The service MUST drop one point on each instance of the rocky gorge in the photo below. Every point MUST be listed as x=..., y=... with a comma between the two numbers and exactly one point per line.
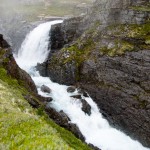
x=104, y=54
x=107, y=53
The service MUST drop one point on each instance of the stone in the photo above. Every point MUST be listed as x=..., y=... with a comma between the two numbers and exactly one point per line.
x=42, y=68
x=45, y=89
x=94, y=147
x=64, y=121
x=32, y=101
x=76, y=96
x=86, y=107
x=71, y=89
x=45, y=99
x=81, y=91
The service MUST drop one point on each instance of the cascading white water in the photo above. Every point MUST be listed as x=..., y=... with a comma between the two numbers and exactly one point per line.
x=94, y=127
x=35, y=47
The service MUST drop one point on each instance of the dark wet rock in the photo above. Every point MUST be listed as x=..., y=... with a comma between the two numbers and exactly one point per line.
x=45, y=89
x=76, y=96
x=82, y=91
x=63, y=120
x=45, y=99
x=64, y=115
x=86, y=107
x=42, y=68
x=3, y=43
x=56, y=34
x=94, y=147
x=74, y=129
x=32, y=101
x=64, y=33
x=71, y=89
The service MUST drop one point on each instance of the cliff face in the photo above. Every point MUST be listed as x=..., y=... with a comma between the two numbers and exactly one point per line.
x=111, y=60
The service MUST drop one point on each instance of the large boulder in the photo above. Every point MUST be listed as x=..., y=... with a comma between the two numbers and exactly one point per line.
x=45, y=89
x=71, y=89
x=86, y=107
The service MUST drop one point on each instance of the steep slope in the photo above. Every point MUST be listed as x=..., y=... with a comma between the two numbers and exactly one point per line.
x=111, y=60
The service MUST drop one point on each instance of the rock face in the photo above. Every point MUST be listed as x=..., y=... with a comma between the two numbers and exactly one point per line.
x=120, y=87
x=111, y=61
x=65, y=33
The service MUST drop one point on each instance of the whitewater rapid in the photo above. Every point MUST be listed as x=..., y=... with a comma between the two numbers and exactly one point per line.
x=95, y=128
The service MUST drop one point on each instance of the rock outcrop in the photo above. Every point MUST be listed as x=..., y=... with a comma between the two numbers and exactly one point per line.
x=63, y=120
x=111, y=61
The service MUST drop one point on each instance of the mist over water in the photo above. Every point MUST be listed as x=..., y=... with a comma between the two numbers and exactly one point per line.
x=95, y=128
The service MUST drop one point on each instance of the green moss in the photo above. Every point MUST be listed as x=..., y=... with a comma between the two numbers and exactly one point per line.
x=22, y=127
x=141, y=8
x=119, y=48
x=2, y=52
x=4, y=77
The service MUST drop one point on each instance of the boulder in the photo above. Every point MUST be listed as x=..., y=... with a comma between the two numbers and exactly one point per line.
x=71, y=89
x=42, y=68
x=86, y=107
x=64, y=121
x=76, y=96
x=45, y=89
x=93, y=147
x=32, y=101
x=44, y=99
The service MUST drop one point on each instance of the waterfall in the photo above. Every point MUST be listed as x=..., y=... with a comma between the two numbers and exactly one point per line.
x=95, y=128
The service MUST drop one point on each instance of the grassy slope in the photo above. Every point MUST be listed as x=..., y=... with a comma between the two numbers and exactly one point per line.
x=22, y=128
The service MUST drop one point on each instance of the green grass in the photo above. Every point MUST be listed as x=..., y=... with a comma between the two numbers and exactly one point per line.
x=21, y=128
